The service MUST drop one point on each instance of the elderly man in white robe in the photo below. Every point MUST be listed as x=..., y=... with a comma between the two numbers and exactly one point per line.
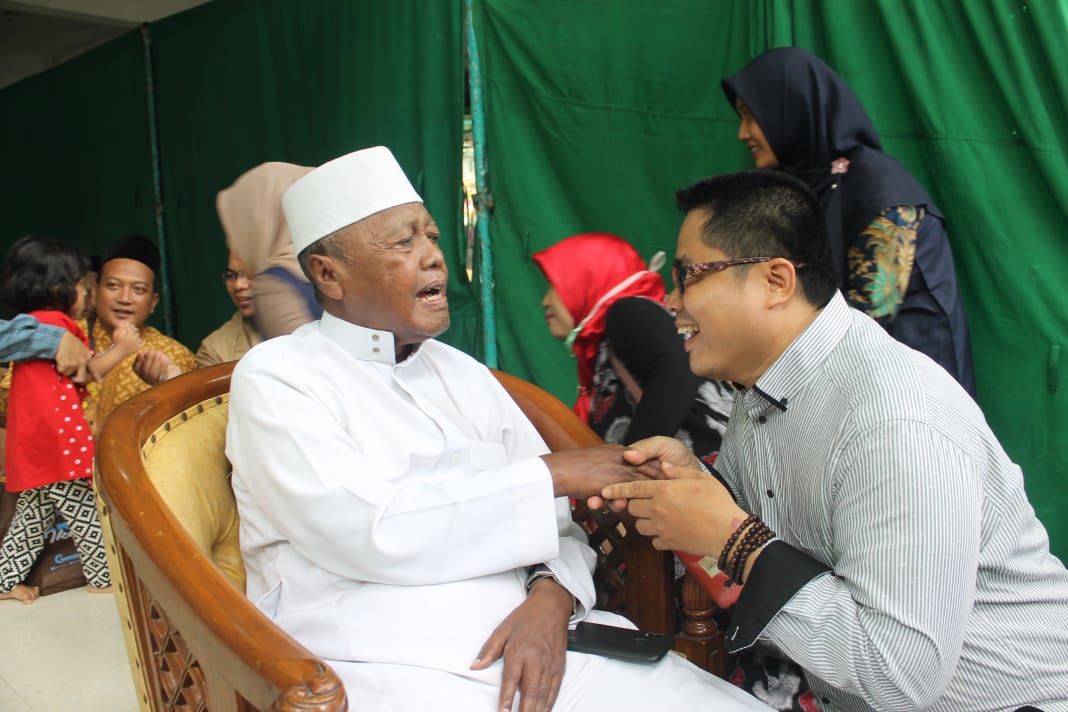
x=399, y=514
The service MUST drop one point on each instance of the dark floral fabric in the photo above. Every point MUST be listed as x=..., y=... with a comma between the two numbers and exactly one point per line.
x=880, y=261
x=765, y=673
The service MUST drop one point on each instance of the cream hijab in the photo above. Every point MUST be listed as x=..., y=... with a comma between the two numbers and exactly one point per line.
x=251, y=214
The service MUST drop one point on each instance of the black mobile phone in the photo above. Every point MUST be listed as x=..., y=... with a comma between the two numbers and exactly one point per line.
x=621, y=643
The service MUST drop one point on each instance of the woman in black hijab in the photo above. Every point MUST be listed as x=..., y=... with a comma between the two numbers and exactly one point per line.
x=888, y=236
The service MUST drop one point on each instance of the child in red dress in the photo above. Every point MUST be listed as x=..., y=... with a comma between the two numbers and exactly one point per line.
x=49, y=457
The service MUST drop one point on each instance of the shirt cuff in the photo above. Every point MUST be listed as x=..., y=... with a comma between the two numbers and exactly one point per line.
x=778, y=574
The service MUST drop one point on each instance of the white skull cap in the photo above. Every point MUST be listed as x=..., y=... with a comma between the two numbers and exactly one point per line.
x=344, y=191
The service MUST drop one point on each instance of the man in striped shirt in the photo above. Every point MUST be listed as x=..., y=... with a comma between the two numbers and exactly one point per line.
x=907, y=569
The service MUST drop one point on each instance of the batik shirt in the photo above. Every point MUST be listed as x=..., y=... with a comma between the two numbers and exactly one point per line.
x=121, y=383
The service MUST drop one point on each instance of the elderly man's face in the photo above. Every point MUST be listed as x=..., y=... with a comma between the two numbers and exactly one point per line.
x=395, y=277
x=125, y=293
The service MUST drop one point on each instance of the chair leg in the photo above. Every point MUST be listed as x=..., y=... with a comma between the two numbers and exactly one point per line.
x=701, y=640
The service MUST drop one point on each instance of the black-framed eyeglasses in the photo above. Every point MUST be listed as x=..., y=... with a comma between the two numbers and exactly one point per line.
x=229, y=276
x=682, y=271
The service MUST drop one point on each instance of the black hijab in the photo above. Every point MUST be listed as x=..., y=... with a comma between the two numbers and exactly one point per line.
x=810, y=118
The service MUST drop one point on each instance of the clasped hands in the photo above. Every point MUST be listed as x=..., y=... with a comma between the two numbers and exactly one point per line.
x=687, y=510
x=661, y=483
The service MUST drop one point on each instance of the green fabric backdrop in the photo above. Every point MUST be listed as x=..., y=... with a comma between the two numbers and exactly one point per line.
x=599, y=109
x=75, y=144
x=240, y=82
x=237, y=83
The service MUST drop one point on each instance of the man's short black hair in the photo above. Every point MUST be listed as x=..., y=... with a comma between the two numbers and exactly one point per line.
x=41, y=273
x=760, y=213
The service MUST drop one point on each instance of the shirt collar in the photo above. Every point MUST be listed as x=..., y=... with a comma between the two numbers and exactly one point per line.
x=363, y=343
x=789, y=374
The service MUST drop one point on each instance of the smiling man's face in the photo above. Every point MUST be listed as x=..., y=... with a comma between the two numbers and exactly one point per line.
x=125, y=293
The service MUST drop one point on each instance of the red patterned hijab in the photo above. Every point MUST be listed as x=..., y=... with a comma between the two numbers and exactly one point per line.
x=591, y=272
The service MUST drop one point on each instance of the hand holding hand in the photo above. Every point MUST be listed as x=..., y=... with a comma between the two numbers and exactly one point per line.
x=652, y=450
x=155, y=367
x=691, y=511
x=586, y=471
x=664, y=449
x=533, y=642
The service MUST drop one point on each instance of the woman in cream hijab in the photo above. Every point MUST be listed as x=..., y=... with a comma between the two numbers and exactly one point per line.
x=251, y=214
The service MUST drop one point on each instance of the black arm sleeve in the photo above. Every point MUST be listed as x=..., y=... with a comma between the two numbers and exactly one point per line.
x=778, y=574
x=642, y=334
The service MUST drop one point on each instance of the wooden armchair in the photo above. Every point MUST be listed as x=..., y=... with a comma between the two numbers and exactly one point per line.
x=196, y=642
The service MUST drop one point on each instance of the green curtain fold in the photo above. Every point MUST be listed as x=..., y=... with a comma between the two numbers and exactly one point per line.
x=597, y=111
x=237, y=83
x=75, y=158
x=240, y=82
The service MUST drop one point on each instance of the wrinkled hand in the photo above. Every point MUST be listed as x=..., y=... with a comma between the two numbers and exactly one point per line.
x=533, y=642
x=155, y=367
x=655, y=449
x=691, y=511
x=127, y=338
x=586, y=471
x=664, y=449
x=72, y=356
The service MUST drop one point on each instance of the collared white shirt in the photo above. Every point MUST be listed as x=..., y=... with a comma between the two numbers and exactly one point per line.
x=389, y=510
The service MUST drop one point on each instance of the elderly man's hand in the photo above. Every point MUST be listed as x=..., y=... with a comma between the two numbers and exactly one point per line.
x=533, y=641
x=663, y=449
x=586, y=471
x=690, y=511
x=72, y=356
x=652, y=450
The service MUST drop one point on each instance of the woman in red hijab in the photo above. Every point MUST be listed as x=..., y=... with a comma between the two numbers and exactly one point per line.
x=634, y=375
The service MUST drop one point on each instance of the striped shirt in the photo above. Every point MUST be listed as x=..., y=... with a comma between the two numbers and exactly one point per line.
x=910, y=570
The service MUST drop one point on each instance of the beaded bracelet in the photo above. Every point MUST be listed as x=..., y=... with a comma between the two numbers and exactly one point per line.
x=722, y=561
x=758, y=535
x=741, y=551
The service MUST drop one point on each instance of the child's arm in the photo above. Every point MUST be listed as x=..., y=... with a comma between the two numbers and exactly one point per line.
x=125, y=340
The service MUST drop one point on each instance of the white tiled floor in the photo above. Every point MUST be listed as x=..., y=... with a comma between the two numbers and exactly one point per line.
x=64, y=652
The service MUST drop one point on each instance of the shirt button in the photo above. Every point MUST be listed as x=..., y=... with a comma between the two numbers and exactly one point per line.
x=762, y=419
x=771, y=493
x=374, y=337
x=375, y=349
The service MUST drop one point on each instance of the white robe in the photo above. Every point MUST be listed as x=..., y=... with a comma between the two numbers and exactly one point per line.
x=389, y=510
